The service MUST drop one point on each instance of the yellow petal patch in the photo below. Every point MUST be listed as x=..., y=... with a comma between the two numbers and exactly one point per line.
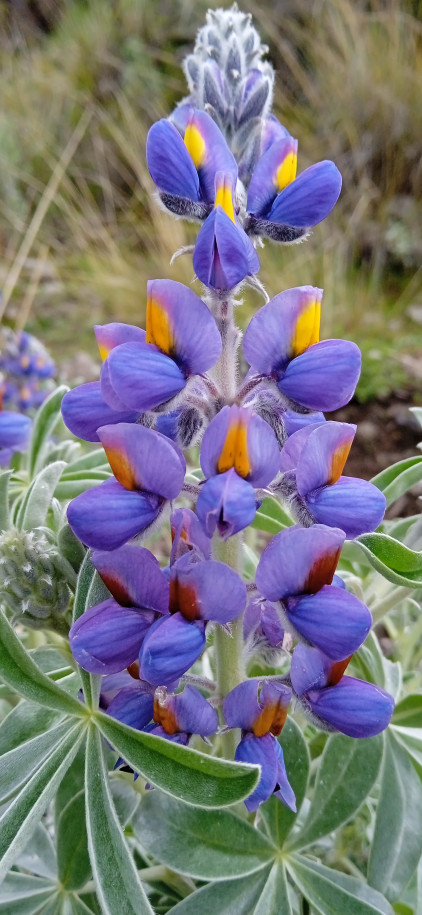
x=224, y=199
x=307, y=328
x=158, y=327
x=104, y=351
x=121, y=468
x=25, y=362
x=235, y=450
x=195, y=145
x=338, y=461
x=286, y=172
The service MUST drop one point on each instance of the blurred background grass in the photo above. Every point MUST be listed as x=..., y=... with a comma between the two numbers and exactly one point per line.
x=80, y=231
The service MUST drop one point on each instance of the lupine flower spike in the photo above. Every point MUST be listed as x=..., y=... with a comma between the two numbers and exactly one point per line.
x=224, y=161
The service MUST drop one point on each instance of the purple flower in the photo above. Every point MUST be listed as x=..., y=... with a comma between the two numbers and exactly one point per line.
x=259, y=708
x=148, y=468
x=312, y=461
x=84, y=411
x=196, y=177
x=182, y=339
x=199, y=591
x=283, y=207
x=182, y=714
x=158, y=615
x=336, y=702
x=107, y=638
x=174, y=716
x=281, y=344
x=15, y=430
x=239, y=452
x=296, y=571
x=226, y=504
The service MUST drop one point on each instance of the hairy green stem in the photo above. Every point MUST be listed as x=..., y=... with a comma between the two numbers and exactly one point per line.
x=228, y=648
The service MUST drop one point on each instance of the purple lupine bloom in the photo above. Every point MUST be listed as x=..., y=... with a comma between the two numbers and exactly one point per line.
x=179, y=716
x=158, y=615
x=196, y=177
x=107, y=638
x=84, y=410
x=281, y=344
x=239, y=451
x=296, y=571
x=263, y=631
x=182, y=339
x=283, y=207
x=15, y=429
x=312, y=462
x=337, y=702
x=148, y=469
x=200, y=591
x=188, y=536
x=175, y=716
x=26, y=366
x=259, y=707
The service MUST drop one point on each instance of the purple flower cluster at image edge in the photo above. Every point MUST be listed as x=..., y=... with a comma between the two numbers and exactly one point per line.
x=155, y=398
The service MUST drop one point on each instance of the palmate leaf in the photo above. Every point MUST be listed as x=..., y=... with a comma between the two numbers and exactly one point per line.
x=187, y=774
x=207, y=844
x=74, y=867
x=247, y=896
x=347, y=772
x=118, y=886
x=22, y=815
x=39, y=856
x=397, y=843
x=21, y=894
x=19, y=671
x=17, y=765
x=331, y=892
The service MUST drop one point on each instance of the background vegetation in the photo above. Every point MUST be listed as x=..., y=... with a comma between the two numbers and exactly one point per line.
x=80, y=231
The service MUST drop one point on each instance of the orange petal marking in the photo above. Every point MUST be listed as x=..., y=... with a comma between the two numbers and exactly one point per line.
x=234, y=452
x=121, y=468
x=184, y=600
x=158, y=328
x=117, y=589
x=165, y=716
x=336, y=671
x=322, y=572
x=338, y=461
x=270, y=720
x=133, y=670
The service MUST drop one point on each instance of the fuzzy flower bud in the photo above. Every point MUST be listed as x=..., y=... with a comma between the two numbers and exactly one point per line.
x=35, y=581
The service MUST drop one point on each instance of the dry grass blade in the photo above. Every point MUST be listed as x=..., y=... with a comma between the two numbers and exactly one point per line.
x=42, y=208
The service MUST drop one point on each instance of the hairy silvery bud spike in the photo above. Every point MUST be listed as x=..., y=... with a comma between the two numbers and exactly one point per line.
x=35, y=580
x=228, y=78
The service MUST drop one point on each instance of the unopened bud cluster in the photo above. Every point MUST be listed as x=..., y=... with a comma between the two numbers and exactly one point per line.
x=34, y=580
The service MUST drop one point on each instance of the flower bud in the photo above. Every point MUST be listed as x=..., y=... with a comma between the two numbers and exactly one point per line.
x=34, y=580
